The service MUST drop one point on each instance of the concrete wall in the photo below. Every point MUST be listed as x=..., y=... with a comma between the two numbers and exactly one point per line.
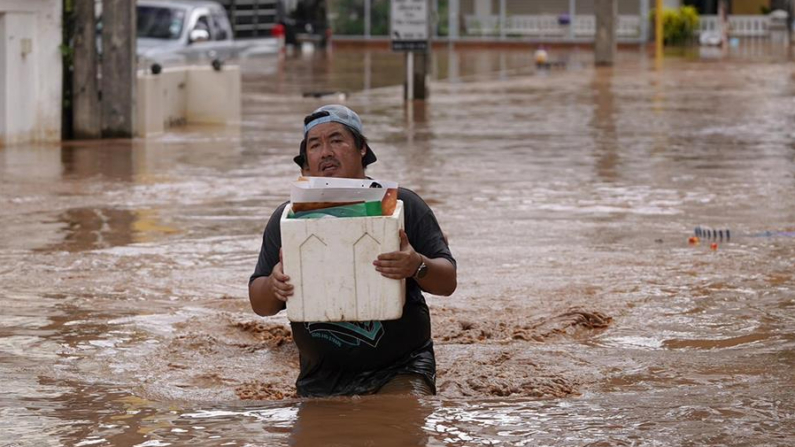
x=30, y=71
x=187, y=95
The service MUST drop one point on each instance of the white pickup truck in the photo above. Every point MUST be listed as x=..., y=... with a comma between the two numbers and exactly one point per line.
x=175, y=32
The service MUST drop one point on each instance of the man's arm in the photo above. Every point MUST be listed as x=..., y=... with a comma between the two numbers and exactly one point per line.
x=441, y=278
x=268, y=294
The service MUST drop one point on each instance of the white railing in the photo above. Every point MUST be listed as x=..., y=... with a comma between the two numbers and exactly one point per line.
x=546, y=25
x=628, y=26
x=739, y=26
x=708, y=24
x=584, y=27
x=749, y=26
x=482, y=25
x=535, y=25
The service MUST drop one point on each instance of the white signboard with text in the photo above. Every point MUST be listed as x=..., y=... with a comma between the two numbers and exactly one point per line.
x=409, y=30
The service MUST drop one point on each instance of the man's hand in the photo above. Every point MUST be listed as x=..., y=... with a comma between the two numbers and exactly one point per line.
x=399, y=264
x=282, y=289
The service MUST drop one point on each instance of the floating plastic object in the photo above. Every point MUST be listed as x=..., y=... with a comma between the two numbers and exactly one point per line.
x=710, y=38
x=712, y=233
x=693, y=240
x=725, y=233
x=541, y=57
x=713, y=246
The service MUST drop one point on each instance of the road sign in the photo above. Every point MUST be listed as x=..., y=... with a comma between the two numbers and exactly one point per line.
x=409, y=29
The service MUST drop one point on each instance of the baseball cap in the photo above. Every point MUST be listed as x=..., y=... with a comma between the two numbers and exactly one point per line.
x=333, y=113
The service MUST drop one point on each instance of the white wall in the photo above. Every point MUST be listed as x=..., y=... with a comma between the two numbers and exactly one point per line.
x=30, y=71
x=187, y=95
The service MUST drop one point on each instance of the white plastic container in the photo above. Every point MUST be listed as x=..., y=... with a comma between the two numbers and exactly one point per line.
x=330, y=264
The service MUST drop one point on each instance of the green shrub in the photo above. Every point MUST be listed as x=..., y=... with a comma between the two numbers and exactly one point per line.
x=348, y=18
x=679, y=25
x=379, y=17
x=442, y=25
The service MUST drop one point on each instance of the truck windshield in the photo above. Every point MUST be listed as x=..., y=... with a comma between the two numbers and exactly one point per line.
x=157, y=22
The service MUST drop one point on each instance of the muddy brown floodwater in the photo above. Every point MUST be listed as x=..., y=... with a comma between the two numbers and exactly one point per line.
x=582, y=315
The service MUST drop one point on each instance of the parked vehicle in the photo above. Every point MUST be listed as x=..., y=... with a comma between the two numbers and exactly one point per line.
x=297, y=20
x=191, y=31
x=307, y=22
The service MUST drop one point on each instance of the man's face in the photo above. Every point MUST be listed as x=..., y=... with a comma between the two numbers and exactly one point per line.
x=331, y=152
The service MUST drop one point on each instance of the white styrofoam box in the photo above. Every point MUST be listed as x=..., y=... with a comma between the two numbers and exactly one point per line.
x=330, y=264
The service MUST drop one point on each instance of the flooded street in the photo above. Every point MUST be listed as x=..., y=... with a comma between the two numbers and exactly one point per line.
x=582, y=316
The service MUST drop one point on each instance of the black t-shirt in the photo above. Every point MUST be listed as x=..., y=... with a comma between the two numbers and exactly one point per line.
x=345, y=358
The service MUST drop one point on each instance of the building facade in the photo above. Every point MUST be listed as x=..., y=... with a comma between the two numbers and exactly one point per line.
x=739, y=7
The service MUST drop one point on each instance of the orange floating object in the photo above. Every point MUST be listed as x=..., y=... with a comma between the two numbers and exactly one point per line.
x=714, y=246
x=693, y=240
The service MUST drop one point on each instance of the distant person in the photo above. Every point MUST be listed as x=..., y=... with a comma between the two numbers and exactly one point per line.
x=361, y=357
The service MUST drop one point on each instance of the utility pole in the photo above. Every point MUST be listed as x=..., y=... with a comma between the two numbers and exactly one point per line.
x=118, y=68
x=606, y=18
x=503, y=19
x=86, y=118
x=644, y=22
x=658, y=33
x=452, y=20
x=367, y=19
x=419, y=74
x=572, y=14
x=723, y=17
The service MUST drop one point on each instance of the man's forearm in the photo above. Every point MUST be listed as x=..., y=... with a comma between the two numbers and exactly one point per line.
x=441, y=278
x=262, y=297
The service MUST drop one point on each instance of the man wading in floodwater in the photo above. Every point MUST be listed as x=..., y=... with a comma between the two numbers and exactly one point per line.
x=348, y=358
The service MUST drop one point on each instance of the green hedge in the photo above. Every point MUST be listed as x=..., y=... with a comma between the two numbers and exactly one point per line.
x=679, y=25
x=349, y=17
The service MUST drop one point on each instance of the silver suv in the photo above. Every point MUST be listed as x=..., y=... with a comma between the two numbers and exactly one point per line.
x=189, y=31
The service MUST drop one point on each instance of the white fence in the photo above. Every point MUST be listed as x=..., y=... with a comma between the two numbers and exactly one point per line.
x=628, y=26
x=546, y=26
x=482, y=25
x=739, y=26
x=584, y=27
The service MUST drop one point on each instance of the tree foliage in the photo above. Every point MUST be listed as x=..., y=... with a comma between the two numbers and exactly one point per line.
x=349, y=17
